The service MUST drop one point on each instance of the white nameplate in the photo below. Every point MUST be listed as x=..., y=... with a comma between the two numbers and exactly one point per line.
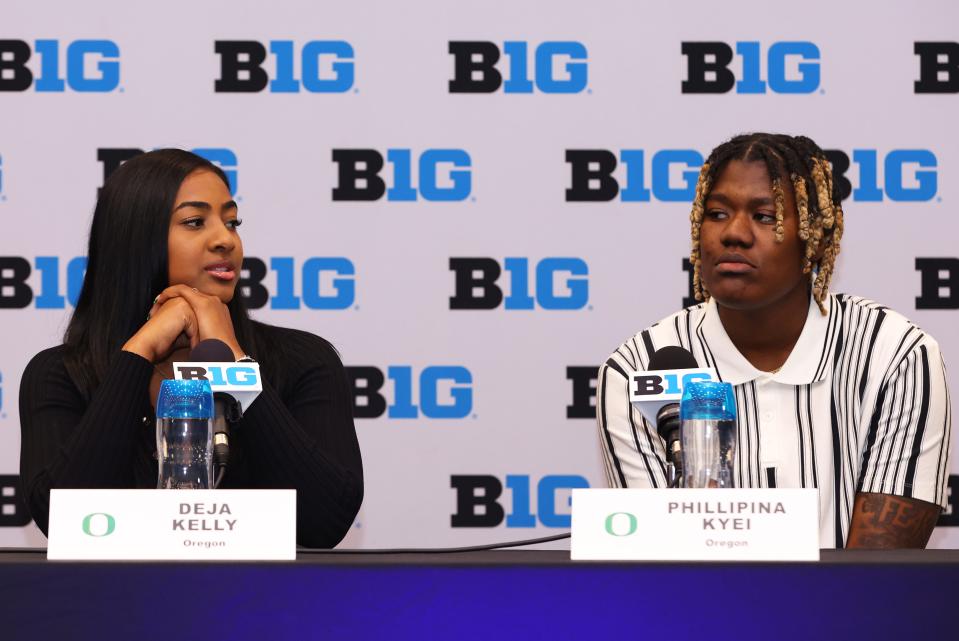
x=239, y=380
x=649, y=391
x=695, y=525
x=182, y=525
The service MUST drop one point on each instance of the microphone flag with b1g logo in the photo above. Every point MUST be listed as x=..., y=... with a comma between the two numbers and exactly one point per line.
x=650, y=391
x=240, y=380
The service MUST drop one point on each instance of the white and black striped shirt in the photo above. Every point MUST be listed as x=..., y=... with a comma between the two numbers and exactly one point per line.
x=860, y=405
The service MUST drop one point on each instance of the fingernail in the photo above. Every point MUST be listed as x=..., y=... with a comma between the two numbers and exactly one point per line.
x=155, y=300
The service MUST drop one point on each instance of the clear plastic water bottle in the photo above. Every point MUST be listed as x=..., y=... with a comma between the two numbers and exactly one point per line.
x=185, y=435
x=708, y=433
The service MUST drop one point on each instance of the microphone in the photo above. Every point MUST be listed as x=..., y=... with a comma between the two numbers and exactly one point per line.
x=226, y=408
x=667, y=418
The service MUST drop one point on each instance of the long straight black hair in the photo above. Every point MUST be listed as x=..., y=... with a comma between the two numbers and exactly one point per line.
x=127, y=262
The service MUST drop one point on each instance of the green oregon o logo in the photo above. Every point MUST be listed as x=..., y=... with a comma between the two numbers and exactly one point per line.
x=631, y=519
x=111, y=524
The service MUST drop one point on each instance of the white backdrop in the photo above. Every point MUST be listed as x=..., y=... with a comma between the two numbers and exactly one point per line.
x=516, y=206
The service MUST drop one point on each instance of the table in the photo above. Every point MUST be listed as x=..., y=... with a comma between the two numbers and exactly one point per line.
x=505, y=594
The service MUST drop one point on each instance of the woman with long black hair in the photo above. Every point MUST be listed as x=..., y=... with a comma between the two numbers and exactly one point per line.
x=164, y=261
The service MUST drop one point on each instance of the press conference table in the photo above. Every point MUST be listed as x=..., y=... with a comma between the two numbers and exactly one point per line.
x=530, y=594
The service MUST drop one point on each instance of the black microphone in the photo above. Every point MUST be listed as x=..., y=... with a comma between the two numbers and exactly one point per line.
x=226, y=408
x=667, y=418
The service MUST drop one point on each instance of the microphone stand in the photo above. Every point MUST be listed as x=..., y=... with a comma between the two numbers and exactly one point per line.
x=667, y=424
x=674, y=475
x=227, y=412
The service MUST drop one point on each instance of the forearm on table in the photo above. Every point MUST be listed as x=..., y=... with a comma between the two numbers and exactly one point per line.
x=884, y=521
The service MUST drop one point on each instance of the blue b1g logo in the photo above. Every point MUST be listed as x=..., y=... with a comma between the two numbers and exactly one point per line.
x=444, y=392
x=225, y=159
x=907, y=175
x=600, y=175
x=320, y=282
x=707, y=68
x=554, y=283
x=444, y=175
x=16, y=292
x=53, y=72
x=237, y=375
x=325, y=66
x=593, y=180
x=479, y=502
x=475, y=71
x=665, y=384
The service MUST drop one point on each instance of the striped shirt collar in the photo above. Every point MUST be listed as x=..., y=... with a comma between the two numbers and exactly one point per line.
x=808, y=362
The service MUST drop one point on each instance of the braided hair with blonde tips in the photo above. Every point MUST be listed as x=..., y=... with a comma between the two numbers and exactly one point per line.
x=804, y=164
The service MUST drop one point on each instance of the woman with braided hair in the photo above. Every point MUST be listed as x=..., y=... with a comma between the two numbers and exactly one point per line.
x=833, y=392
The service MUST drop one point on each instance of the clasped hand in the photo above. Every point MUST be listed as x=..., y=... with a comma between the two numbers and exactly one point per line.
x=180, y=317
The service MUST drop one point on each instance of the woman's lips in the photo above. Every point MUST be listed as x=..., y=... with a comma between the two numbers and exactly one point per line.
x=732, y=267
x=221, y=274
x=733, y=263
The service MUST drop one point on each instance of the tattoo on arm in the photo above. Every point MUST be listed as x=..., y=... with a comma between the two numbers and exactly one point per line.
x=882, y=521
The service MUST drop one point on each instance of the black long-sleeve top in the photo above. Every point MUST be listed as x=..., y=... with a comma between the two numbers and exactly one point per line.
x=298, y=435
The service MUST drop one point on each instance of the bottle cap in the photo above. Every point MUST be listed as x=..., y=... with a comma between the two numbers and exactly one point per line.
x=708, y=400
x=185, y=399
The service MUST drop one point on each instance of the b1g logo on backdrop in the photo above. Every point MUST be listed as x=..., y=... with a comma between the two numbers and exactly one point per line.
x=907, y=175
x=60, y=281
x=444, y=175
x=319, y=283
x=480, y=501
x=950, y=516
x=791, y=68
x=54, y=66
x=13, y=512
x=440, y=392
x=594, y=176
x=323, y=66
x=552, y=283
x=583, y=401
x=939, y=284
x=225, y=159
x=599, y=175
x=938, y=67
x=558, y=67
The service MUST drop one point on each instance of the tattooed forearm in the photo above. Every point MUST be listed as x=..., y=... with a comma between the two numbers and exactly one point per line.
x=884, y=521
